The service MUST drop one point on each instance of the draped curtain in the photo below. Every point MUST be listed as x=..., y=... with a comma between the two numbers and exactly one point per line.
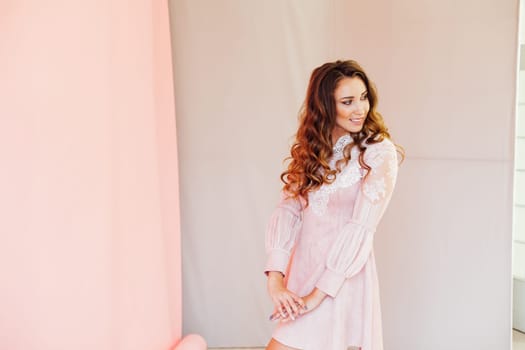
x=90, y=252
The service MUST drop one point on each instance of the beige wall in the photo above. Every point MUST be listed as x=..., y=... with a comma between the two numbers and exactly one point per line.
x=446, y=75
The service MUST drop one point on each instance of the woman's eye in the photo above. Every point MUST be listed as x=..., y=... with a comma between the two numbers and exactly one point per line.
x=348, y=103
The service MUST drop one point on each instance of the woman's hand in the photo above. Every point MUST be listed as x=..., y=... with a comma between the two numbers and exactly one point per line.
x=287, y=304
x=312, y=301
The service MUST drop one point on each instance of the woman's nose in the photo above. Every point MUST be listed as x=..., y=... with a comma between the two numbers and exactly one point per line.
x=360, y=107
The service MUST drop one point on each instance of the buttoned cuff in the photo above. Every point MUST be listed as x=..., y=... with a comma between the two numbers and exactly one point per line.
x=330, y=282
x=277, y=261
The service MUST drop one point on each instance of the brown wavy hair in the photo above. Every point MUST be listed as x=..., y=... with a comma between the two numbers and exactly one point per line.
x=310, y=154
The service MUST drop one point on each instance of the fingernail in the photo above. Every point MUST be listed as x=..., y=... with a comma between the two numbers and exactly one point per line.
x=271, y=317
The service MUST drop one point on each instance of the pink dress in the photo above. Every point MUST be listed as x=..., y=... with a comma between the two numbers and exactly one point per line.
x=329, y=245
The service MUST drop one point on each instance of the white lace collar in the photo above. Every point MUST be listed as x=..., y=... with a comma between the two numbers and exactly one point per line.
x=341, y=144
x=349, y=176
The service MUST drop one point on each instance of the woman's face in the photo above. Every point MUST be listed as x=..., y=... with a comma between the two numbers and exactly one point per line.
x=352, y=105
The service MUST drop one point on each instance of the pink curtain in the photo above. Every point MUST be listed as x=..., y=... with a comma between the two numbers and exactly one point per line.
x=90, y=252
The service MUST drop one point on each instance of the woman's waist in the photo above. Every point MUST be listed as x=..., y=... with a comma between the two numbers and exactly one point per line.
x=312, y=233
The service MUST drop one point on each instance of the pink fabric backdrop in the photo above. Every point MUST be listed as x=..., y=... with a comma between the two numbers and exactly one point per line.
x=90, y=253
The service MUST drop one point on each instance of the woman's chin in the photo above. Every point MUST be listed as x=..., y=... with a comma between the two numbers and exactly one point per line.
x=355, y=129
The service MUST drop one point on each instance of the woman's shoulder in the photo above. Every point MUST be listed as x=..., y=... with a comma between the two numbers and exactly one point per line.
x=386, y=145
x=378, y=152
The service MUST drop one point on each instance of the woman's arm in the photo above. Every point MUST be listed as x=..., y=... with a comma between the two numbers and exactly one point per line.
x=353, y=245
x=281, y=235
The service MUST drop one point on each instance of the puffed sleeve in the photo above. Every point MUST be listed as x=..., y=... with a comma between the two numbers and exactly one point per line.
x=281, y=233
x=353, y=244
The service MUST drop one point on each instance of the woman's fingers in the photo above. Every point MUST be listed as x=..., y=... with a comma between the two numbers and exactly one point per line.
x=296, y=304
x=276, y=315
x=287, y=306
x=283, y=307
x=290, y=308
x=300, y=302
x=280, y=305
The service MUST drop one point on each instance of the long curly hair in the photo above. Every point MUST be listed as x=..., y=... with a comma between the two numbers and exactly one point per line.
x=311, y=152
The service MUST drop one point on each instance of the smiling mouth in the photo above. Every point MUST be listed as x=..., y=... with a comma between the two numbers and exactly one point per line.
x=356, y=120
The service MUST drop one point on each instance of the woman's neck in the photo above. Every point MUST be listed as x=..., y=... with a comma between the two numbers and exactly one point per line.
x=337, y=133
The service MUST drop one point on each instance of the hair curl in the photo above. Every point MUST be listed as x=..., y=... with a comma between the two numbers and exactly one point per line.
x=310, y=154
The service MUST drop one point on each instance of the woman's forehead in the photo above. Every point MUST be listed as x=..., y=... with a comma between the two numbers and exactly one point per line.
x=350, y=87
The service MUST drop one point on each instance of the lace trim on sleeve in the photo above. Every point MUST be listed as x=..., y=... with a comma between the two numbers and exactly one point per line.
x=380, y=181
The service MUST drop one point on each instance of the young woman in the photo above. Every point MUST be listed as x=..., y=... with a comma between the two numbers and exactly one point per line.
x=321, y=269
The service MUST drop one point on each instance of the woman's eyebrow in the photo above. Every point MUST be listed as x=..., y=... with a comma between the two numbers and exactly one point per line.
x=350, y=97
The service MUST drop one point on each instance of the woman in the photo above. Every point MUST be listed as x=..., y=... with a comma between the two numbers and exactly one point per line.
x=321, y=269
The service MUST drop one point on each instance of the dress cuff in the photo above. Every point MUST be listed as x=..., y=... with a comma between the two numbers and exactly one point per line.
x=277, y=261
x=330, y=282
